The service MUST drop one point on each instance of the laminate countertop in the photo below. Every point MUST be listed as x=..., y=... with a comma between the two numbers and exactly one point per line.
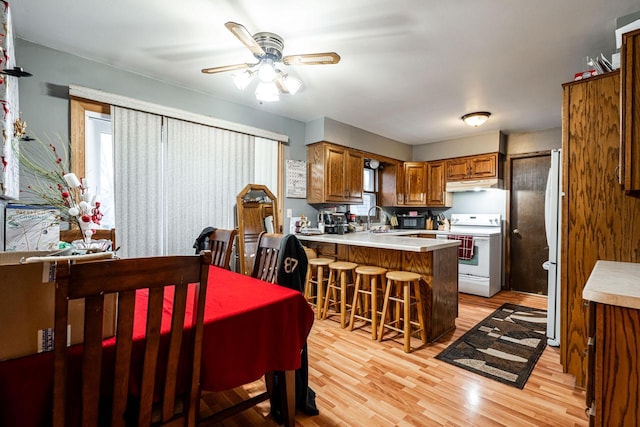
x=392, y=240
x=614, y=283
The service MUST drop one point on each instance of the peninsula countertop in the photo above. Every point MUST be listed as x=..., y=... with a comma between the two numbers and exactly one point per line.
x=392, y=240
x=614, y=283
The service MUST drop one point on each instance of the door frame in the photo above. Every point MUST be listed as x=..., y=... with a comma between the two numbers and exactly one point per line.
x=507, y=225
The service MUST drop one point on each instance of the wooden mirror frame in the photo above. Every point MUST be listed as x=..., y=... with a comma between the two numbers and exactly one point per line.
x=251, y=215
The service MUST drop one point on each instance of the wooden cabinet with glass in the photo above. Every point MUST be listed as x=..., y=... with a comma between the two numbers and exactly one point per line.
x=481, y=166
x=334, y=174
x=436, y=185
x=629, y=174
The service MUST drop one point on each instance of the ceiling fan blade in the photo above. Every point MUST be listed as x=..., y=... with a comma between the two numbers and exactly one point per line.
x=280, y=84
x=245, y=37
x=312, y=59
x=224, y=68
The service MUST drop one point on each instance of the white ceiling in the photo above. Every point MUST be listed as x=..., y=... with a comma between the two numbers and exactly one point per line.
x=409, y=68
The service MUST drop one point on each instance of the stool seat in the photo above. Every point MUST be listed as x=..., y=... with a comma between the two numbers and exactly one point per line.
x=370, y=270
x=342, y=265
x=403, y=276
x=320, y=261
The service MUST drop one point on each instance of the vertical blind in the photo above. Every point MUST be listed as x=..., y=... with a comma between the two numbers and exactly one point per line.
x=199, y=171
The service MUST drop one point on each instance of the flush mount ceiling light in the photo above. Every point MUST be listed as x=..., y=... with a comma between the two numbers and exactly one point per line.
x=267, y=49
x=476, y=119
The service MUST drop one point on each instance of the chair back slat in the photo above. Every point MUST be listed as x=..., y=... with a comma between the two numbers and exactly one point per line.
x=93, y=314
x=265, y=266
x=92, y=282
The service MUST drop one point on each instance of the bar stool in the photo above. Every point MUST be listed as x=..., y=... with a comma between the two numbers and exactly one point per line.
x=314, y=287
x=338, y=284
x=366, y=291
x=399, y=285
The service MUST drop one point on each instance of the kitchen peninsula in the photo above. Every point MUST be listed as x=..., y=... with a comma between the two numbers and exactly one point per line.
x=435, y=260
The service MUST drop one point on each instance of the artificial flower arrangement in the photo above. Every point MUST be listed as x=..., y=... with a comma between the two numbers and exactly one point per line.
x=50, y=182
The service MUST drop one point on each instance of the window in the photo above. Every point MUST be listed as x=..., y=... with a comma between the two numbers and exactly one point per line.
x=369, y=194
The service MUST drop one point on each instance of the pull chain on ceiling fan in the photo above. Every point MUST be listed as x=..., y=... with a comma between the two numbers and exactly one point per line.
x=267, y=49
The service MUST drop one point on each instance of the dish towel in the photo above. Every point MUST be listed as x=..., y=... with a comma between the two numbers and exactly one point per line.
x=465, y=250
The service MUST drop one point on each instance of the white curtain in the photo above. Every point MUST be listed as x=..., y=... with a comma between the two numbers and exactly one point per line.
x=175, y=179
x=138, y=182
x=206, y=168
x=266, y=164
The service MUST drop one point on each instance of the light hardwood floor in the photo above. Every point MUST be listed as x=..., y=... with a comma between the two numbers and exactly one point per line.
x=360, y=382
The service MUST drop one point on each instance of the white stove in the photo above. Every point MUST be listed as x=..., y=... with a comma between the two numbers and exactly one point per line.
x=482, y=274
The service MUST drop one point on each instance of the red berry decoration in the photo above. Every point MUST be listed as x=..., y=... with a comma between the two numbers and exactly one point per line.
x=85, y=218
x=65, y=194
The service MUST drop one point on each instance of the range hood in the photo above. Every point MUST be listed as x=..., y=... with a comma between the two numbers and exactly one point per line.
x=475, y=185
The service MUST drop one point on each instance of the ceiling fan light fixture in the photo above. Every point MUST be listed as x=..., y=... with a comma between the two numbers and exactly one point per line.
x=243, y=79
x=292, y=84
x=267, y=92
x=267, y=70
x=476, y=119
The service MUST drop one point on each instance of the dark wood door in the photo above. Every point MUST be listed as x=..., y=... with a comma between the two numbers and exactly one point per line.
x=527, y=239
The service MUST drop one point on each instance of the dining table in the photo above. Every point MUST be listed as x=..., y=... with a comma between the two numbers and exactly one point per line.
x=251, y=328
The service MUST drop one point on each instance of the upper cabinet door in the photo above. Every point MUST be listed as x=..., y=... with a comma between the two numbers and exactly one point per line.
x=483, y=166
x=457, y=169
x=335, y=180
x=354, y=175
x=629, y=173
x=436, y=185
x=415, y=184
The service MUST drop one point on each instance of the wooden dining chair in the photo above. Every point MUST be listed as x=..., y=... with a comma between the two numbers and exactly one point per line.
x=75, y=234
x=159, y=363
x=265, y=266
x=221, y=246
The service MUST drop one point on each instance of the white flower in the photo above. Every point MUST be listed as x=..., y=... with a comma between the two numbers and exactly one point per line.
x=74, y=211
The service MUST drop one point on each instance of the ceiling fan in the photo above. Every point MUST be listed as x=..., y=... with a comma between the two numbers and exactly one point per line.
x=267, y=49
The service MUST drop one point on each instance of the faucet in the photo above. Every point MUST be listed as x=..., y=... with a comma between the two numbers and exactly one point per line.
x=373, y=208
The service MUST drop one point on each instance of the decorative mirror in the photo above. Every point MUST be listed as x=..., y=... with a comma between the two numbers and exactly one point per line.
x=257, y=209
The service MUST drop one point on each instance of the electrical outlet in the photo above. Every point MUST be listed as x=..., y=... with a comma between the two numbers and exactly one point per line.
x=289, y=213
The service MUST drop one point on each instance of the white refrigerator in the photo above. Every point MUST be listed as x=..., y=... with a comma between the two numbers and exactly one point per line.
x=553, y=223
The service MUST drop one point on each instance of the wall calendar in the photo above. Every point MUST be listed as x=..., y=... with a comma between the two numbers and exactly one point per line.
x=296, y=179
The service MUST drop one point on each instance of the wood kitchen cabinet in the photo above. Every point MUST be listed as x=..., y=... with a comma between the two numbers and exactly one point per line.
x=412, y=190
x=613, y=385
x=630, y=124
x=599, y=220
x=481, y=166
x=335, y=174
x=436, y=185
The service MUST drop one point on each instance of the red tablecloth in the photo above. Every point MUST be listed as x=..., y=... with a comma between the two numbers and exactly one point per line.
x=251, y=327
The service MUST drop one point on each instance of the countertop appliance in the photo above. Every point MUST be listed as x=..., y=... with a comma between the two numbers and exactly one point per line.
x=482, y=274
x=411, y=222
x=552, y=224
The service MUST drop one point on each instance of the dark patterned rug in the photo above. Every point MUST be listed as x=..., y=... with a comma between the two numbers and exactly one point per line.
x=505, y=346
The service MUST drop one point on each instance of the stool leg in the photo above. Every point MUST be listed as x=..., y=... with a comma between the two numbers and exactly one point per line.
x=423, y=332
x=343, y=299
x=326, y=297
x=407, y=316
x=385, y=307
x=307, y=284
x=319, y=290
x=354, y=304
x=374, y=306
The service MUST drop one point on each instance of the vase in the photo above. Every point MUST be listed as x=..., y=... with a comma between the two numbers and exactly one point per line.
x=86, y=228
